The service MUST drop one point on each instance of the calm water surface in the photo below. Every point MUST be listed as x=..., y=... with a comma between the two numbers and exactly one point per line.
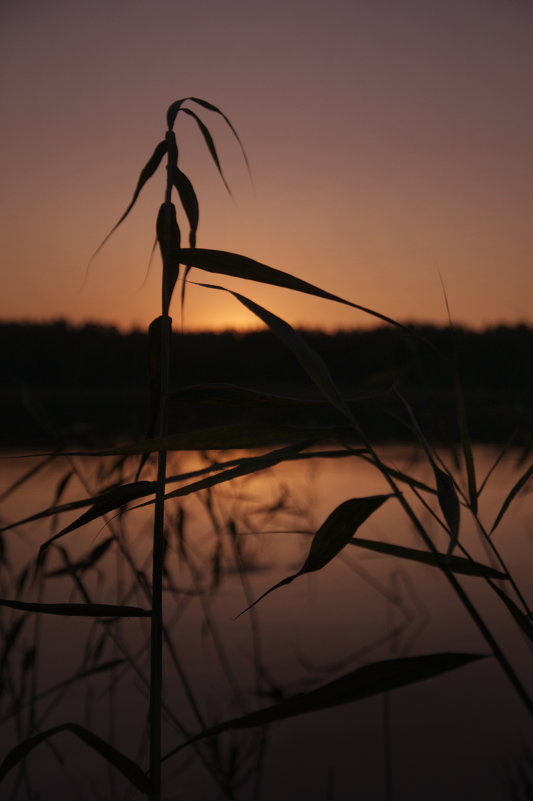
x=463, y=735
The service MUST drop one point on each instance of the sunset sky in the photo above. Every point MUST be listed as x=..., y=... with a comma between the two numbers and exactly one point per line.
x=390, y=141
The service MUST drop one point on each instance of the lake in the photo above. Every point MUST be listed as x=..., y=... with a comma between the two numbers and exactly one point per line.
x=464, y=734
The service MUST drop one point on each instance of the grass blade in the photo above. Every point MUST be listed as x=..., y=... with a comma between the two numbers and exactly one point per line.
x=363, y=682
x=334, y=533
x=146, y=173
x=126, y=766
x=114, y=498
x=78, y=610
x=311, y=362
x=520, y=484
x=204, y=130
x=236, y=266
x=457, y=564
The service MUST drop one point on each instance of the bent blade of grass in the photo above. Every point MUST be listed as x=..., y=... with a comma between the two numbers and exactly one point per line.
x=77, y=610
x=237, y=266
x=109, y=501
x=146, y=173
x=363, y=682
x=517, y=487
x=126, y=766
x=457, y=564
x=208, y=139
x=311, y=362
x=189, y=201
x=334, y=533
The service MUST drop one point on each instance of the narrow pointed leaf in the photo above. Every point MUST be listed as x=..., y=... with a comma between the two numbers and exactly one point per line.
x=456, y=564
x=334, y=533
x=448, y=502
x=109, y=501
x=78, y=610
x=311, y=362
x=126, y=766
x=236, y=266
x=204, y=130
x=363, y=682
x=189, y=201
x=518, y=486
x=216, y=110
x=146, y=173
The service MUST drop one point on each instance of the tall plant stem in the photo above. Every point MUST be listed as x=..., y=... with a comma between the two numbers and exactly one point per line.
x=158, y=547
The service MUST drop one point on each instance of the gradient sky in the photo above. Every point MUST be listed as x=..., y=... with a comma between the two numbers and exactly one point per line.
x=390, y=141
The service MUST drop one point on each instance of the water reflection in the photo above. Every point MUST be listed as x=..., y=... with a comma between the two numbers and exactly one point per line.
x=461, y=735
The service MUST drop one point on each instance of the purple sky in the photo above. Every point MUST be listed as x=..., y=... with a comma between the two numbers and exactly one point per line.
x=389, y=141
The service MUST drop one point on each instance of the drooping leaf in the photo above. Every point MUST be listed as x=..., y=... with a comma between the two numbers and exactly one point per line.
x=114, y=498
x=175, y=107
x=517, y=487
x=204, y=130
x=334, y=533
x=126, y=766
x=456, y=564
x=189, y=201
x=311, y=362
x=146, y=173
x=237, y=266
x=363, y=682
x=78, y=610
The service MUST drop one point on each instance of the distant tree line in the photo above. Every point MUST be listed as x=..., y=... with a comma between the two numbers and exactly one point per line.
x=95, y=376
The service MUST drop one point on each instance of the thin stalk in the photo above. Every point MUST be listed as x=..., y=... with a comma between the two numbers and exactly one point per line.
x=156, y=629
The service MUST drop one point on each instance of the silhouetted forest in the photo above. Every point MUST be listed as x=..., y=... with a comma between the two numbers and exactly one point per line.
x=90, y=384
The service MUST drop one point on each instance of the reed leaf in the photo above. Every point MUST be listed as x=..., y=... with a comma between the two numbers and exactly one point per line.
x=86, y=563
x=334, y=533
x=189, y=201
x=363, y=682
x=114, y=498
x=237, y=266
x=146, y=173
x=457, y=564
x=204, y=130
x=516, y=488
x=311, y=362
x=129, y=769
x=77, y=610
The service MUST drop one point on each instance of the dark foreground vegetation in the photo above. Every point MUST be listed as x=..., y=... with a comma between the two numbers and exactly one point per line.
x=89, y=384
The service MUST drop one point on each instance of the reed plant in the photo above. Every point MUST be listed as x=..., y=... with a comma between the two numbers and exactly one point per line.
x=260, y=447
